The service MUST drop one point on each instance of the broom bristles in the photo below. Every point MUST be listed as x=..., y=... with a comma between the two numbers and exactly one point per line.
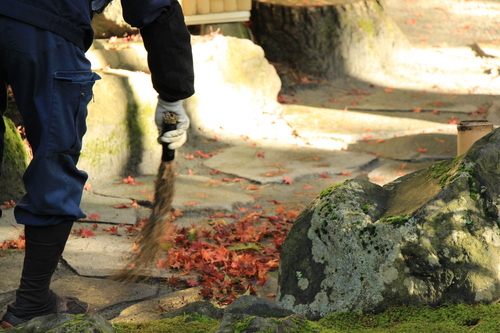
x=152, y=234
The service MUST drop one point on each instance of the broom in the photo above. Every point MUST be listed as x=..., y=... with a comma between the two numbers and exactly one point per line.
x=151, y=236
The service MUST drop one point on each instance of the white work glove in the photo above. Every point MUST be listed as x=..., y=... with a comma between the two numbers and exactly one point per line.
x=177, y=137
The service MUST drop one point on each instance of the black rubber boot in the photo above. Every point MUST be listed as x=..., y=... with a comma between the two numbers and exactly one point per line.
x=44, y=247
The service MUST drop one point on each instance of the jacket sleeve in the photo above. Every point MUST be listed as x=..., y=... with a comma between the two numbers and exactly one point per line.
x=170, y=57
x=139, y=13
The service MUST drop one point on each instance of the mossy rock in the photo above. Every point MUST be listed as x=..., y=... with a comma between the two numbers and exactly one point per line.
x=429, y=238
x=15, y=161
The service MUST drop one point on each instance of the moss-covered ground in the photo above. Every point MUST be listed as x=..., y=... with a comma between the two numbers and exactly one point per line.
x=407, y=319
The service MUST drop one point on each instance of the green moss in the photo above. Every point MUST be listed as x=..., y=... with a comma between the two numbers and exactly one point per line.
x=327, y=191
x=366, y=208
x=243, y=325
x=367, y=26
x=396, y=220
x=177, y=325
x=99, y=148
x=442, y=170
x=14, y=149
x=447, y=318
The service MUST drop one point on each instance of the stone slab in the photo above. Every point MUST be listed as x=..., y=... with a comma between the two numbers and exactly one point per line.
x=103, y=293
x=154, y=308
x=335, y=129
x=414, y=148
x=101, y=209
x=100, y=255
x=269, y=165
x=9, y=228
x=192, y=193
x=392, y=170
x=11, y=264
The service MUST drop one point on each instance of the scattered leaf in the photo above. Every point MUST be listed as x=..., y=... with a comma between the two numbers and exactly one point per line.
x=8, y=204
x=85, y=233
x=131, y=181
x=308, y=187
x=123, y=205
x=288, y=180
x=199, y=153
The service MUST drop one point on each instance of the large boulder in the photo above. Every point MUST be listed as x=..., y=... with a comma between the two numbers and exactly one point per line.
x=430, y=237
x=121, y=138
x=236, y=92
x=111, y=23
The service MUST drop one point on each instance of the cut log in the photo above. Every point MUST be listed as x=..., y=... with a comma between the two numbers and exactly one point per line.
x=327, y=38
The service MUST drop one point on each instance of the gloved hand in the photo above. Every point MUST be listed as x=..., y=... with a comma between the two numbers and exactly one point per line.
x=177, y=137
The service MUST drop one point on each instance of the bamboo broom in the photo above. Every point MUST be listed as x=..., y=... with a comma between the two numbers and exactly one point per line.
x=153, y=233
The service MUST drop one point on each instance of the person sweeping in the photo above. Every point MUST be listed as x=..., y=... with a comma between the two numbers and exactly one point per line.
x=42, y=59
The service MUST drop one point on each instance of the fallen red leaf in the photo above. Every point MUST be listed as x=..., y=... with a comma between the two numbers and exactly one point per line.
x=288, y=180
x=123, y=205
x=199, y=153
x=131, y=181
x=422, y=150
x=8, y=204
x=308, y=187
x=111, y=230
x=282, y=99
x=85, y=233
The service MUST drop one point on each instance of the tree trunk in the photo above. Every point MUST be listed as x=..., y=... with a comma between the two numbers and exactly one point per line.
x=327, y=38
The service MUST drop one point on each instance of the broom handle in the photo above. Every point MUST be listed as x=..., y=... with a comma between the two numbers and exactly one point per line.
x=169, y=124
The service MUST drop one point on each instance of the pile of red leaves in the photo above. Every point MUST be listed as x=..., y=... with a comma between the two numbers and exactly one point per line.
x=228, y=258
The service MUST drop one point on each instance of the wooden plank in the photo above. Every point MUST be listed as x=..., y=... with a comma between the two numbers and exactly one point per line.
x=225, y=17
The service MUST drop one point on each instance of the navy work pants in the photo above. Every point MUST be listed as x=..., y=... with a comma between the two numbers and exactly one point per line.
x=52, y=85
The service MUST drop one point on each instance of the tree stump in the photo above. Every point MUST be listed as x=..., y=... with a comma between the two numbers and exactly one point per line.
x=327, y=38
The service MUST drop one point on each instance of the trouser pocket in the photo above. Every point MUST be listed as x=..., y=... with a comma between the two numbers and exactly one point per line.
x=71, y=95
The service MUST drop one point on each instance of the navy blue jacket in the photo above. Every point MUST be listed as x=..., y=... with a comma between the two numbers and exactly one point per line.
x=71, y=18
